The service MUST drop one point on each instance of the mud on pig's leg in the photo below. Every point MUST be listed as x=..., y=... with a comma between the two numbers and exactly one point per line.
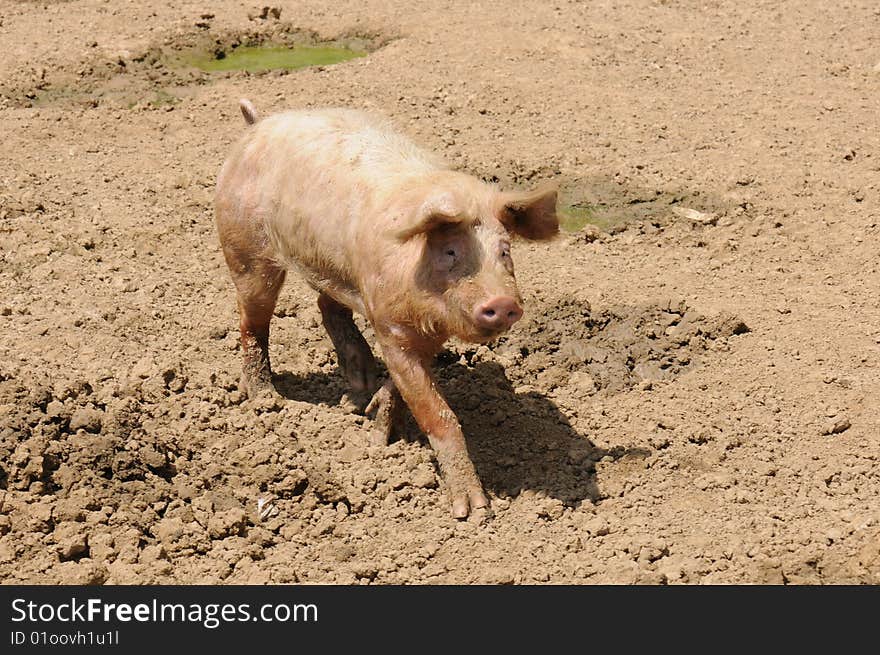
x=258, y=284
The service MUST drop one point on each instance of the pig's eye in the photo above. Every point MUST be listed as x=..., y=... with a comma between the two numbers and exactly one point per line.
x=447, y=260
x=506, y=261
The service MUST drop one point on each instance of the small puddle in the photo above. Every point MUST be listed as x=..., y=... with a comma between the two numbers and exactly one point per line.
x=573, y=218
x=266, y=58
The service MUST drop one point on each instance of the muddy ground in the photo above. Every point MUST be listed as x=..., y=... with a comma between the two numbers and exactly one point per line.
x=691, y=398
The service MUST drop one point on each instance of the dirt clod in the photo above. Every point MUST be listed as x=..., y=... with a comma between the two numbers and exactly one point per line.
x=86, y=418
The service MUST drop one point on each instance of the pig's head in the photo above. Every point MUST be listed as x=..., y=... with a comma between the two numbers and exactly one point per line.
x=462, y=230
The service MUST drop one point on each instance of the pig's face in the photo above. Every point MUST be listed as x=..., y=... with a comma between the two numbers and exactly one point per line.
x=468, y=267
x=465, y=275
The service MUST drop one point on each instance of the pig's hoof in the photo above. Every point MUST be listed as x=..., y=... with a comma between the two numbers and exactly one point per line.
x=464, y=503
x=379, y=437
x=255, y=386
x=386, y=423
x=464, y=485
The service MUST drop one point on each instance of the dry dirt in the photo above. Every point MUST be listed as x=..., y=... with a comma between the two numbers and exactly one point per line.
x=689, y=399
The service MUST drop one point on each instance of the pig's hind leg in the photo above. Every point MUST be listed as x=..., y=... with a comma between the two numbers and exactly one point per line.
x=353, y=352
x=359, y=367
x=258, y=279
x=388, y=421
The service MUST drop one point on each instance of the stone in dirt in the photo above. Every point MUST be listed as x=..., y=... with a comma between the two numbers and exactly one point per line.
x=836, y=426
x=703, y=218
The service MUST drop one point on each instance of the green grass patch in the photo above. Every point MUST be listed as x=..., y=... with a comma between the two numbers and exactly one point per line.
x=573, y=218
x=265, y=58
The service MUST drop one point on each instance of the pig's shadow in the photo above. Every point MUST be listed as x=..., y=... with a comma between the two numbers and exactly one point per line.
x=518, y=441
x=316, y=388
x=521, y=441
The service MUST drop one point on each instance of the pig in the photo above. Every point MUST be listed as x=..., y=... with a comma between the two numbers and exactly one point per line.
x=378, y=226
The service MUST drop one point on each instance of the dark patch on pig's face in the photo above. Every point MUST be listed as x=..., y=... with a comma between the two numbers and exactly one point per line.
x=454, y=254
x=463, y=265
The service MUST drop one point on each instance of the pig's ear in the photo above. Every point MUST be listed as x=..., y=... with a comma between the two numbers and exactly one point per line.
x=530, y=214
x=435, y=210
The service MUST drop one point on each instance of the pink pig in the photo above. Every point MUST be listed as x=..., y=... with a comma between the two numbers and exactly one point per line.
x=378, y=226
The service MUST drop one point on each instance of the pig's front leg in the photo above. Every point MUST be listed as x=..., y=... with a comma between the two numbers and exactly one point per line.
x=410, y=371
x=352, y=350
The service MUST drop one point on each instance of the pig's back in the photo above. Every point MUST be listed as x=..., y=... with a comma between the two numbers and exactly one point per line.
x=314, y=178
x=345, y=145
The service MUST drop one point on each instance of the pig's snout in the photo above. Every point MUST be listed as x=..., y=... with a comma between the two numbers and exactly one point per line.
x=497, y=313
